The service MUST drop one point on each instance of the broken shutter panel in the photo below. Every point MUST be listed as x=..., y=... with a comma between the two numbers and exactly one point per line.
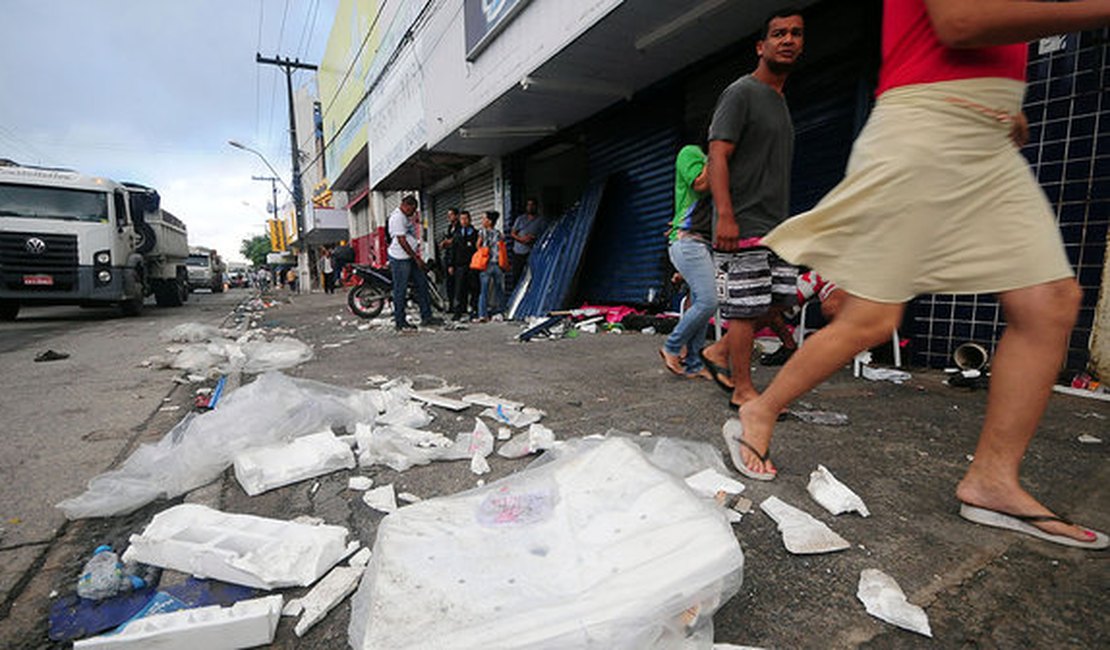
x=627, y=262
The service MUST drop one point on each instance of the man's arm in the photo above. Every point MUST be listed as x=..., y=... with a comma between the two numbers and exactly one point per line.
x=404, y=242
x=701, y=181
x=727, y=235
x=963, y=24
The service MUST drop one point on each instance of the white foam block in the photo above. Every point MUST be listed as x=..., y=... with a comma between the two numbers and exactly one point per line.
x=245, y=624
x=382, y=499
x=801, y=533
x=833, y=495
x=326, y=594
x=264, y=468
x=709, y=482
x=242, y=549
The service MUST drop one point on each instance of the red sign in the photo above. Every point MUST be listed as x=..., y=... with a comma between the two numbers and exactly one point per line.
x=38, y=280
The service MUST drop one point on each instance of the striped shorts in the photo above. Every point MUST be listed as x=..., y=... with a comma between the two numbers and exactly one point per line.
x=750, y=281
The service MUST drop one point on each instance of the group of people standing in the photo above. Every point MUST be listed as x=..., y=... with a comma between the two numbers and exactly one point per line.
x=936, y=199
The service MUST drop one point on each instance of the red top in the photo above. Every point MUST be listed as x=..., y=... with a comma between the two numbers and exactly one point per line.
x=912, y=53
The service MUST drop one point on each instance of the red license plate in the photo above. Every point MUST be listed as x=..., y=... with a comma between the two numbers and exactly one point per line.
x=38, y=280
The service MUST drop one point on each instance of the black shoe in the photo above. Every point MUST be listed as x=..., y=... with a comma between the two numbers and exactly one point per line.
x=432, y=322
x=778, y=357
x=406, y=327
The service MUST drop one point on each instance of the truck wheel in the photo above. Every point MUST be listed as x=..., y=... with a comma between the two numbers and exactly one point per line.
x=131, y=308
x=167, y=293
x=8, y=310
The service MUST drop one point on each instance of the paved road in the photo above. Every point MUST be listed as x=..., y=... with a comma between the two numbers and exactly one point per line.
x=903, y=451
x=65, y=421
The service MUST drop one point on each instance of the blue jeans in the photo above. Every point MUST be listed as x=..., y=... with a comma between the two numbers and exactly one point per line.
x=402, y=271
x=492, y=275
x=694, y=260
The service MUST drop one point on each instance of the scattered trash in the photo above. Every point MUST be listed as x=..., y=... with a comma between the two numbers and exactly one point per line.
x=408, y=497
x=504, y=433
x=259, y=469
x=307, y=520
x=491, y=401
x=833, y=495
x=360, y=483
x=886, y=374
x=1092, y=414
x=1099, y=394
x=191, y=333
x=801, y=533
x=242, y=549
x=271, y=409
x=884, y=600
x=743, y=505
x=970, y=356
x=599, y=536
x=969, y=378
x=339, y=583
x=399, y=447
x=1088, y=439
x=479, y=465
x=104, y=576
x=441, y=401
x=517, y=418
x=51, y=355
x=824, y=418
x=169, y=409
x=538, y=438
x=381, y=499
x=648, y=330
x=709, y=482
x=244, y=624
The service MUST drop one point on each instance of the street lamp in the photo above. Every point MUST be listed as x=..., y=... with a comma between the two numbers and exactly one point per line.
x=240, y=145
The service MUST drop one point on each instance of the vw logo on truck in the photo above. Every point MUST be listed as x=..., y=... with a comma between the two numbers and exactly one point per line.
x=35, y=246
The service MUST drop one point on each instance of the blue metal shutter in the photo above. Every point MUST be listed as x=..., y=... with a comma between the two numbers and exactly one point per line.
x=627, y=257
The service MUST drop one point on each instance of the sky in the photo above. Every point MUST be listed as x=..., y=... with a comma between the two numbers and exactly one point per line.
x=151, y=91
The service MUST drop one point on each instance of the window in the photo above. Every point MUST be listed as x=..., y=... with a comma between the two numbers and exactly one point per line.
x=38, y=202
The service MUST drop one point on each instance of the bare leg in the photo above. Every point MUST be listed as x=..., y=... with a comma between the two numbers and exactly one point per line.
x=1025, y=365
x=777, y=323
x=741, y=335
x=859, y=325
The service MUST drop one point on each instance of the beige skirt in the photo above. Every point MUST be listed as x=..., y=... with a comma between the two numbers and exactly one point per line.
x=936, y=199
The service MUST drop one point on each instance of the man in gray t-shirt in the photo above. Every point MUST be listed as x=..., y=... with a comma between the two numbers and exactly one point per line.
x=751, y=145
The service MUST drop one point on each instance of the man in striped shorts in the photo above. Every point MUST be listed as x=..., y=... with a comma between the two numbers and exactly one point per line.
x=751, y=146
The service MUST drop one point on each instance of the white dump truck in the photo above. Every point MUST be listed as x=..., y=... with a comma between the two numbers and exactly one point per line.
x=206, y=269
x=71, y=239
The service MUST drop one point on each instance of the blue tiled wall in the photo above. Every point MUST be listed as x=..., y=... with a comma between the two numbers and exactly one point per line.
x=1068, y=106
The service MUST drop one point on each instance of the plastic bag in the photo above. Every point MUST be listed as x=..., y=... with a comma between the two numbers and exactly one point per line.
x=191, y=333
x=598, y=549
x=271, y=409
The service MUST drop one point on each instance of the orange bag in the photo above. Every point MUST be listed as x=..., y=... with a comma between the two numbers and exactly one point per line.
x=480, y=260
x=502, y=255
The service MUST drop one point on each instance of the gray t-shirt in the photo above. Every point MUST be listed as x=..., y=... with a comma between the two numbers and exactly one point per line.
x=523, y=225
x=754, y=117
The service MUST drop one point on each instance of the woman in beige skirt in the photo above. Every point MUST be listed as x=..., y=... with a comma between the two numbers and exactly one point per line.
x=937, y=198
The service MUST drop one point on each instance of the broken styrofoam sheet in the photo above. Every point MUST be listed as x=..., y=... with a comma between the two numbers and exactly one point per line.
x=271, y=409
x=597, y=549
x=360, y=483
x=331, y=590
x=398, y=447
x=242, y=549
x=709, y=482
x=491, y=401
x=408, y=497
x=886, y=374
x=382, y=499
x=679, y=457
x=479, y=442
x=733, y=646
x=833, y=495
x=884, y=600
x=479, y=465
x=259, y=469
x=537, y=438
x=245, y=624
x=441, y=401
x=801, y=533
x=517, y=418
x=1088, y=439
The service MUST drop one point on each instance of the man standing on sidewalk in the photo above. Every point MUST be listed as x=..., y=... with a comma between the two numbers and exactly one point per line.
x=751, y=147
x=405, y=262
x=527, y=228
x=446, y=253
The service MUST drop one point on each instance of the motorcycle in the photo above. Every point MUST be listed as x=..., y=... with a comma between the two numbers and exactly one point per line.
x=372, y=288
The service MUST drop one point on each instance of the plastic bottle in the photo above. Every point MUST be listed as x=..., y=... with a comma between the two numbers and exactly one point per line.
x=104, y=576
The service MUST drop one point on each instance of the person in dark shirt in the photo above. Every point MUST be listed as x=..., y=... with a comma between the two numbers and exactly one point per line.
x=463, y=246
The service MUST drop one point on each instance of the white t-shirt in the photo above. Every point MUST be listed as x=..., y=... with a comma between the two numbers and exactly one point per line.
x=401, y=226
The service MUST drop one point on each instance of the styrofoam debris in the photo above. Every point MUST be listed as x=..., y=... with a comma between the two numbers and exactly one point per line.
x=339, y=583
x=399, y=447
x=833, y=495
x=599, y=536
x=1088, y=439
x=491, y=401
x=360, y=483
x=307, y=520
x=801, y=533
x=538, y=438
x=732, y=646
x=292, y=608
x=709, y=482
x=504, y=433
x=408, y=497
x=824, y=418
x=886, y=374
x=516, y=418
x=242, y=549
x=245, y=624
x=362, y=558
x=733, y=516
x=381, y=499
x=479, y=442
x=441, y=401
x=377, y=379
x=884, y=600
x=646, y=434
x=264, y=468
x=479, y=465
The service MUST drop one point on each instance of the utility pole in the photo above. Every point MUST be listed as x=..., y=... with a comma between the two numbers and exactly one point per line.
x=288, y=65
x=273, y=189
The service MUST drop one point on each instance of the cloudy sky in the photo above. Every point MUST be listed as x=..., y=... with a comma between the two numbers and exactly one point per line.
x=151, y=91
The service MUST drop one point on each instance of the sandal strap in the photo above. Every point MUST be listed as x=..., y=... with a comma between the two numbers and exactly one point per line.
x=762, y=457
x=1042, y=518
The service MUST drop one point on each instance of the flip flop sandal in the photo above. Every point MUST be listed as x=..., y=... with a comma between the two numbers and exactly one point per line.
x=1023, y=524
x=663, y=355
x=733, y=433
x=716, y=371
x=781, y=417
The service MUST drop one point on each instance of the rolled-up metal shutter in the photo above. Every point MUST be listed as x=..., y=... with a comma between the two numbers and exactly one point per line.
x=478, y=195
x=441, y=203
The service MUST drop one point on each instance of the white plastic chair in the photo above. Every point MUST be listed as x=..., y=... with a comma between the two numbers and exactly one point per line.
x=800, y=333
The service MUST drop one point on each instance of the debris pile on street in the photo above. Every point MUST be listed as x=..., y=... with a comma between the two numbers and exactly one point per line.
x=208, y=351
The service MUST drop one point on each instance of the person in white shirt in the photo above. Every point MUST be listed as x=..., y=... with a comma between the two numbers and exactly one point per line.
x=406, y=263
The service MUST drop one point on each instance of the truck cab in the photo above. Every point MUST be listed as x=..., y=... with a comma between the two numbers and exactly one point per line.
x=206, y=269
x=71, y=239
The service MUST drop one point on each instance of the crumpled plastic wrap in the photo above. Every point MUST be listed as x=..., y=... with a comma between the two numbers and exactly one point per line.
x=597, y=549
x=271, y=409
x=191, y=333
x=885, y=600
